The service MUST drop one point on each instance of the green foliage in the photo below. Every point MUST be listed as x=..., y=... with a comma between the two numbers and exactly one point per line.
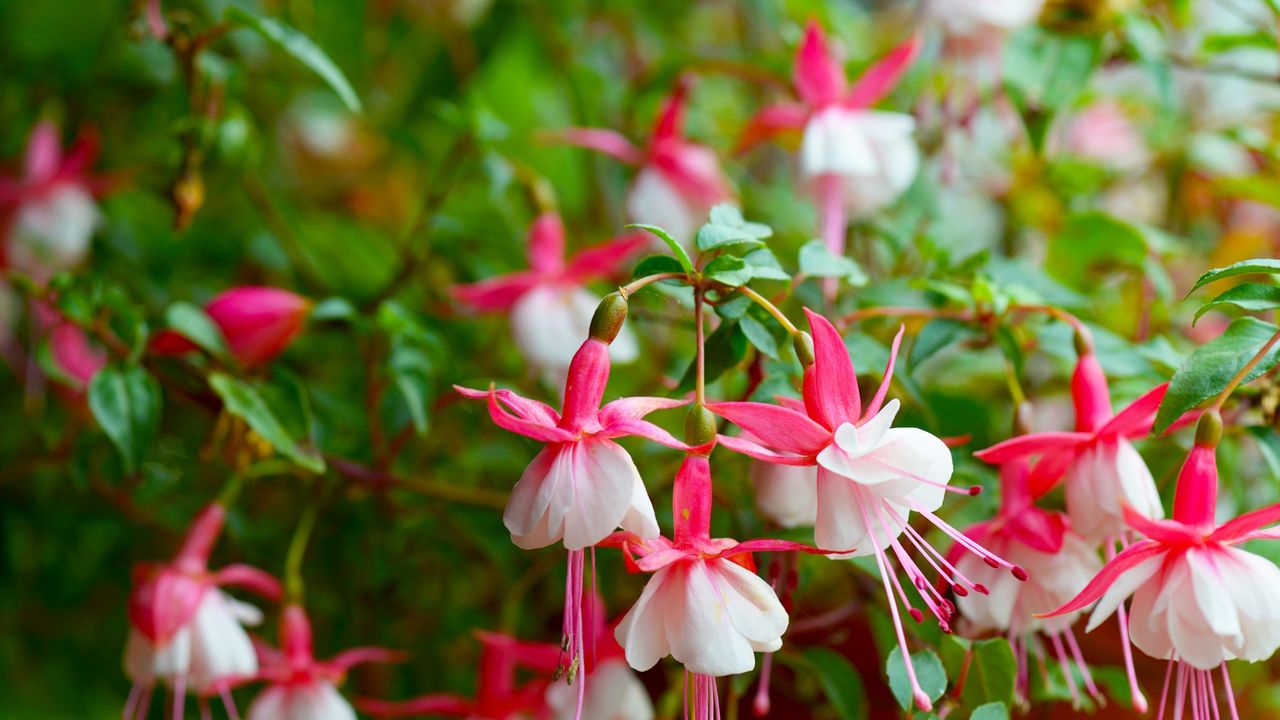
x=126, y=402
x=1209, y=369
x=840, y=682
x=929, y=673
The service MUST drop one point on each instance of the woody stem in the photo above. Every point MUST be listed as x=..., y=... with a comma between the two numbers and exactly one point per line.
x=1244, y=372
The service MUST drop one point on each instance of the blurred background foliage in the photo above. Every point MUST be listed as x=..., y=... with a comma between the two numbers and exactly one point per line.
x=238, y=165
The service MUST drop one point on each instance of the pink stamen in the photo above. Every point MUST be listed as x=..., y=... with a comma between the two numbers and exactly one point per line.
x=761, y=704
x=953, y=574
x=1122, y=618
x=131, y=705
x=971, y=490
x=987, y=556
x=1231, y=695
x=922, y=700
x=1067, y=674
x=1181, y=691
x=1213, y=696
x=1070, y=637
x=228, y=701
x=179, y=696
x=206, y=712
x=1164, y=691
x=144, y=708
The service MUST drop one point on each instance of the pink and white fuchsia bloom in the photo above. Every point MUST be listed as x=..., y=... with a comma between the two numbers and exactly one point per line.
x=47, y=219
x=301, y=687
x=1198, y=599
x=976, y=28
x=855, y=160
x=549, y=304
x=704, y=606
x=678, y=182
x=871, y=476
x=1064, y=563
x=258, y=323
x=582, y=485
x=184, y=630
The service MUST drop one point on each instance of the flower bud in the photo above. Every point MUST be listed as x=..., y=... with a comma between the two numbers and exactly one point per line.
x=803, y=343
x=258, y=323
x=609, y=316
x=699, y=426
x=1209, y=429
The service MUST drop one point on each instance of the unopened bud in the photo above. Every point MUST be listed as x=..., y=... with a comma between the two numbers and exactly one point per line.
x=803, y=342
x=1209, y=429
x=610, y=314
x=699, y=426
x=1083, y=343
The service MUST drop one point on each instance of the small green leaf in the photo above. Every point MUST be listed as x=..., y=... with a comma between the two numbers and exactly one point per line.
x=759, y=335
x=411, y=371
x=1257, y=266
x=992, y=673
x=245, y=402
x=764, y=266
x=840, y=681
x=936, y=335
x=929, y=673
x=195, y=325
x=727, y=270
x=334, y=309
x=674, y=245
x=301, y=47
x=658, y=265
x=991, y=711
x=817, y=261
x=728, y=229
x=126, y=403
x=1250, y=297
x=1209, y=369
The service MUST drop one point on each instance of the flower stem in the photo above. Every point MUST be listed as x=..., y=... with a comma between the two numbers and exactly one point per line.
x=1244, y=372
x=293, y=585
x=635, y=285
x=772, y=309
x=700, y=367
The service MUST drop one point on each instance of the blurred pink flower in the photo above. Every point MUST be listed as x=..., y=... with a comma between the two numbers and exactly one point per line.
x=258, y=323
x=976, y=28
x=1104, y=133
x=184, y=630
x=549, y=304
x=678, y=181
x=301, y=687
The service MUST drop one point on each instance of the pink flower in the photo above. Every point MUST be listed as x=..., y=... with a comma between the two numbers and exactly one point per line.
x=258, y=323
x=1064, y=563
x=704, y=605
x=1103, y=471
x=786, y=494
x=856, y=160
x=870, y=476
x=184, y=630
x=678, y=181
x=300, y=687
x=977, y=27
x=549, y=304
x=1198, y=600
x=1103, y=133
x=498, y=697
x=48, y=218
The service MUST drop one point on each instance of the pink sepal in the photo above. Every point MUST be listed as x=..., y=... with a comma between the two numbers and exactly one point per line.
x=1136, y=419
x=1128, y=559
x=743, y=446
x=772, y=121
x=778, y=427
x=1246, y=524
x=450, y=705
x=1032, y=444
x=249, y=578
x=495, y=294
x=348, y=659
x=1195, y=499
x=1165, y=532
x=878, y=399
x=879, y=80
x=534, y=429
x=830, y=384
x=607, y=259
x=604, y=141
x=1039, y=529
x=546, y=244
x=644, y=429
x=819, y=78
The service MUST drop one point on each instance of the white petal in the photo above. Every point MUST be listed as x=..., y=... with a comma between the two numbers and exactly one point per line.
x=604, y=483
x=699, y=630
x=1209, y=591
x=220, y=647
x=653, y=200
x=613, y=693
x=640, y=518
x=1137, y=486
x=786, y=494
x=1148, y=627
x=839, y=524
x=753, y=606
x=551, y=321
x=536, y=510
x=642, y=631
x=53, y=233
x=835, y=142
x=270, y=704
x=1123, y=587
x=872, y=432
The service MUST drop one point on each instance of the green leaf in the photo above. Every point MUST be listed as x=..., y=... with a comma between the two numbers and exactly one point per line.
x=759, y=335
x=840, y=681
x=245, y=402
x=411, y=370
x=195, y=325
x=1094, y=241
x=1250, y=297
x=724, y=348
x=929, y=673
x=991, y=711
x=657, y=265
x=674, y=245
x=300, y=47
x=992, y=673
x=764, y=266
x=936, y=335
x=728, y=229
x=727, y=270
x=334, y=309
x=817, y=261
x=1257, y=266
x=1268, y=446
x=126, y=402
x=1209, y=369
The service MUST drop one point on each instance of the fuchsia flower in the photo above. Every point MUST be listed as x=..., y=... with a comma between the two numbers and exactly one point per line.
x=48, y=218
x=1064, y=563
x=1104, y=133
x=582, y=484
x=704, y=605
x=302, y=688
x=786, y=494
x=550, y=306
x=856, y=160
x=976, y=28
x=1198, y=599
x=498, y=697
x=678, y=181
x=258, y=323
x=870, y=476
x=1103, y=471
x=74, y=355
x=184, y=629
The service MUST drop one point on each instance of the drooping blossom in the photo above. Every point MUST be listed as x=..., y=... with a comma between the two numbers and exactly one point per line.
x=1104, y=133
x=1103, y=472
x=704, y=606
x=184, y=630
x=614, y=692
x=975, y=29
x=786, y=494
x=854, y=160
x=1063, y=564
x=257, y=323
x=677, y=181
x=549, y=304
x=48, y=217
x=870, y=475
x=301, y=687
x=1198, y=599
x=582, y=485
x=498, y=696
